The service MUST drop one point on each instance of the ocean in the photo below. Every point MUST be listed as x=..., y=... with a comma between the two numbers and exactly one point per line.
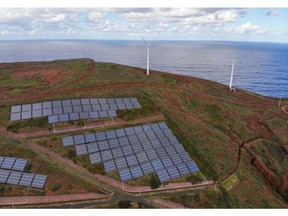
x=260, y=67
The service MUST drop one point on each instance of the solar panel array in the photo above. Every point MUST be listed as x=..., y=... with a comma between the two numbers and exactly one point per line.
x=11, y=172
x=136, y=151
x=74, y=109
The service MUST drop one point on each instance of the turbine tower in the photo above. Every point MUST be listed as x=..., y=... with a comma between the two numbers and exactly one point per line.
x=231, y=78
x=147, y=46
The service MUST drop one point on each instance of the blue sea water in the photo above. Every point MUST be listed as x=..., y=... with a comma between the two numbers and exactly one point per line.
x=260, y=67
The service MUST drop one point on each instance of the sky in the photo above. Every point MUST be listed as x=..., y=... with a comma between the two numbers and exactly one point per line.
x=163, y=23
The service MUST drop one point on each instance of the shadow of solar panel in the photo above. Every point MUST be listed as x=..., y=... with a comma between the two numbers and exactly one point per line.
x=102, y=101
x=14, y=178
x=53, y=119
x=77, y=108
x=127, y=150
x=67, y=141
x=192, y=167
x=111, y=134
x=47, y=104
x=47, y=112
x=121, y=106
x=67, y=109
x=8, y=163
x=157, y=164
x=75, y=102
x=1, y=160
x=125, y=175
x=57, y=110
x=56, y=103
x=66, y=103
x=147, y=168
x=167, y=162
x=20, y=164
x=84, y=115
x=39, y=181
x=136, y=171
x=113, y=107
x=183, y=169
x=93, y=115
x=94, y=101
x=36, y=106
x=117, y=153
x=90, y=137
x=26, y=115
x=103, y=114
x=95, y=158
x=81, y=150
x=26, y=179
x=112, y=113
x=4, y=175
x=173, y=172
x=87, y=108
x=16, y=109
x=113, y=143
x=105, y=107
x=79, y=139
x=85, y=101
x=103, y=145
x=111, y=101
x=74, y=116
x=109, y=166
x=96, y=107
x=163, y=175
x=26, y=107
x=92, y=147
x=63, y=118
x=132, y=160
x=106, y=155
x=15, y=116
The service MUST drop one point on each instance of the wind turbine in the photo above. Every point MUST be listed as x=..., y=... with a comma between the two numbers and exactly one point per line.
x=147, y=46
x=231, y=78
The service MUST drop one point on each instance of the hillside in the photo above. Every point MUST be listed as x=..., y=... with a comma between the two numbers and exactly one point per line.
x=238, y=139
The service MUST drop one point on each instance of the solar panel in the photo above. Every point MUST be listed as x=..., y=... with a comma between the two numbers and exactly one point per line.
x=103, y=114
x=26, y=179
x=123, y=141
x=109, y=166
x=102, y=101
x=113, y=107
x=90, y=137
x=176, y=159
x=105, y=107
x=125, y=175
x=173, y=172
x=117, y=152
x=157, y=164
x=26, y=107
x=14, y=178
x=110, y=134
x=4, y=175
x=92, y=147
x=53, y=119
x=103, y=145
x=16, y=109
x=79, y=139
x=127, y=150
x=66, y=103
x=36, y=113
x=8, y=163
x=47, y=104
x=57, y=103
x=183, y=169
x=85, y=101
x=132, y=160
x=121, y=106
x=100, y=136
x=126, y=100
x=106, y=155
x=75, y=102
x=74, y=116
x=142, y=157
x=95, y=158
x=37, y=106
x=19, y=164
x=93, y=115
x=121, y=163
x=112, y=113
x=63, y=118
x=47, y=112
x=147, y=168
x=136, y=171
x=192, y=167
x=167, y=162
x=152, y=155
x=84, y=115
x=26, y=115
x=87, y=108
x=163, y=175
x=120, y=132
x=94, y=101
x=96, y=107
x=68, y=141
x=1, y=160
x=67, y=109
x=81, y=150
x=39, y=181
x=15, y=116
x=129, y=106
x=113, y=143
x=111, y=101
x=77, y=108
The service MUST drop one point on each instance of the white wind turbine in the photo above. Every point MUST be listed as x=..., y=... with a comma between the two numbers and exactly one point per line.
x=147, y=46
x=231, y=78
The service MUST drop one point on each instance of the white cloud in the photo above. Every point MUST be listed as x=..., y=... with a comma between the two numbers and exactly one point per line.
x=249, y=28
x=272, y=13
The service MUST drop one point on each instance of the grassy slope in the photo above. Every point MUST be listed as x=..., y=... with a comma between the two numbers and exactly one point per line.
x=211, y=123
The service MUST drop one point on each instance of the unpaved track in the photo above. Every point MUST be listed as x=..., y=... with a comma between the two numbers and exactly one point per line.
x=168, y=204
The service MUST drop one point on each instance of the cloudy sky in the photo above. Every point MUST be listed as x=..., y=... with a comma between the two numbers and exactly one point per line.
x=238, y=24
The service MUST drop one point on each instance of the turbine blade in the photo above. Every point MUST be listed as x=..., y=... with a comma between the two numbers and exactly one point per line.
x=144, y=41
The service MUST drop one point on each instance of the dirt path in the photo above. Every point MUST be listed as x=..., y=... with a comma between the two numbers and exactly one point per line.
x=33, y=200
x=168, y=204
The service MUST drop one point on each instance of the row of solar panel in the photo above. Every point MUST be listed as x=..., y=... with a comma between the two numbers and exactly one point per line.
x=80, y=116
x=79, y=105
x=22, y=179
x=11, y=163
x=118, y=133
